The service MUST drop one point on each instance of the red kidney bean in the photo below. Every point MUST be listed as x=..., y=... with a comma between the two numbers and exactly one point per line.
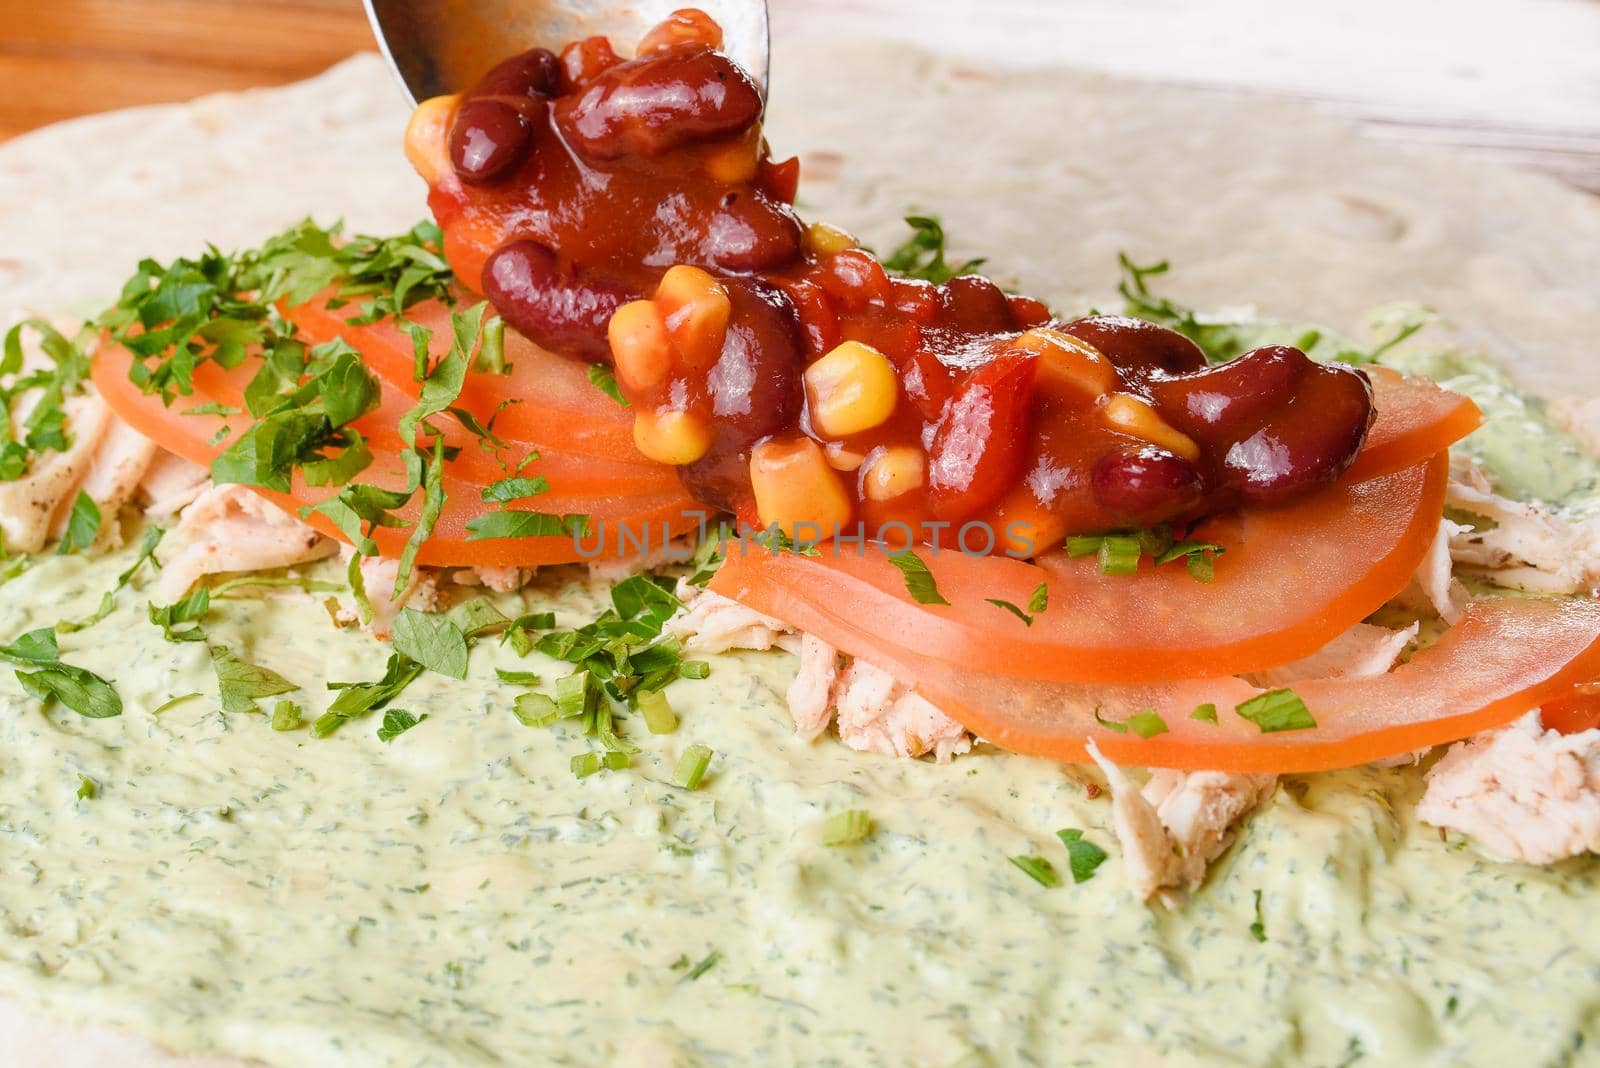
x=488, y=140
x=980, y=445
x=1144, y=486
x=971, y=304
x=535, y=74
x=754, y=386
x=565, y=309
x=1305, y=443
x=1230, y=396
x=1138, y=349
x=649, y=106
x=747, y=232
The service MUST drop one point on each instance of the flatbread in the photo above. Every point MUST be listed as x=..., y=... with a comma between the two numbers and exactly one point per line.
x=1048, y=174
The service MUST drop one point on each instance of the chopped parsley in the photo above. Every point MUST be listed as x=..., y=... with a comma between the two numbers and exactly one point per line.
x=922, y=254
x=45, y=427
x=241, y=684
x=1013, y=609
x=602, y=378
x=77, y=688
x=88, y=789
x=83, y=525
x=919, y=580
x=1206, y=713
x=1258, y=929
x=1040, y=600
x=517, y=523
x=180, y=622
x=1119, y=553
x=1277, y=710
x=397, y=721
x=433, y=641
x=1083, y=856
x=1146, y=723
x=1038, y=869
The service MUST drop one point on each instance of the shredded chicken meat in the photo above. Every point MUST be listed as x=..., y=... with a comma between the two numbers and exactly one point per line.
x=1523, y=792
x=231, y=529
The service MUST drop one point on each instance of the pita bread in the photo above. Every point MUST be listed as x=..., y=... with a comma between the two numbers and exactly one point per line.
x=1049, y=174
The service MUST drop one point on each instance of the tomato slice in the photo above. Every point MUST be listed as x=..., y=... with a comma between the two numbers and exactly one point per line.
x=1416, y=419
x=1572, y=712
x=1508, y=655
x=621, y=517
x=1290, y=580
x=556, y=404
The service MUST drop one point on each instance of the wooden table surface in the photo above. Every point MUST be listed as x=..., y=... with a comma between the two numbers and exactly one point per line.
x=1515, y=79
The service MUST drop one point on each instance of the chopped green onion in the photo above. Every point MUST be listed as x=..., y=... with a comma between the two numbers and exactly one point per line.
x=657, y=712
x=1277, y=710
x=1040, y=599
x=1038, y=869
x=572, y=695
x=1147, y=723
x=585, y=764
x=614, y=760
x=535, y=710
x=88, y=789
x=694, y=669
x=1206, y=713
x=692, y=766
x=286, y=716
x=1119, y=555
x=1084, y=545
x=846, y=828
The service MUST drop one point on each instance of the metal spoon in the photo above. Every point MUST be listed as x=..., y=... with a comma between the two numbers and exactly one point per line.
x=443, y=46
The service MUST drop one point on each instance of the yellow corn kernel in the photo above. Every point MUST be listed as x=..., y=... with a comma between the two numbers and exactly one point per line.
x=795, y=488
x=696, y=309
x=851, y=389
x=639, y=345
x=427, y=137
x=842, y=459
x=894, y=471
x=825, y=240
x=670, y=436
x=1135, y=416
x=1067, y=364
x=735, y=162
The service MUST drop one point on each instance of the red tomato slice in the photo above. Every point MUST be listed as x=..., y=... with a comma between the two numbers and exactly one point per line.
x=1290, y=580
x=558, y=407
x=1508, y=655
x=1572, y=712
x=1416, y=419
x=620, y=518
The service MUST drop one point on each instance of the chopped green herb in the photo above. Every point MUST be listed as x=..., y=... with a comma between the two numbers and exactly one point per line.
x=1013, y=609
x=1258, y=929
x=432, y=641
x=477, y=617
x=360, y=698
x=922, y=254
x=1040, y=601
x=846, y=828
x=517, y=678
x=45, y=428
x=518, y=523
x=1206, y=713
x=1038, y=869
x=1146, y=723
x=515, y=489
x=88, y=789
x=601, y=377
x=1084, y=545
x=919, y=580
x=692, y=766
x=287, y=716
x=585, y=764
x=241, y=684
x=1083, y=857
x=173, y=702
x=705, y=964
x=83, y=525
x=396, y=721
x=181, y=622
x=77, y=688
x=1277, y=710
x=270, y=582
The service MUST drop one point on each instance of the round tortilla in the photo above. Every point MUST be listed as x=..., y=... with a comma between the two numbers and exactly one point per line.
x=1048, y=174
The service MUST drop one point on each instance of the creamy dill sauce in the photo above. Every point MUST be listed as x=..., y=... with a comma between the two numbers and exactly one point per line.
x=457, y=897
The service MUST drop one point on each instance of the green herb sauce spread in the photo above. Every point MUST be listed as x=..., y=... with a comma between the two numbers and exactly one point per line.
x=436, y=887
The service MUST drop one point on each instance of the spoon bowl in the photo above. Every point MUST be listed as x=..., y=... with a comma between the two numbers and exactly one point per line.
x=443, y=46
